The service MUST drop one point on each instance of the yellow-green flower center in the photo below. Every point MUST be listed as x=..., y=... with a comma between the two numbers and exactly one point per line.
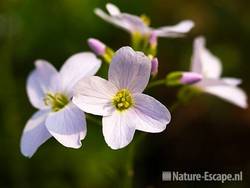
x=56, y=101
x=122, y=100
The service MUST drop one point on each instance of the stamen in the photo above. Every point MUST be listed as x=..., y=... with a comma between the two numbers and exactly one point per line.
x=123, y=100
x=56, y=101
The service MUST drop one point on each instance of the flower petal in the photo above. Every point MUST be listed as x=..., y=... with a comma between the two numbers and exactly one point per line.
x=204, y=62
x=112, y=20
x=134, y=24
x=232, y=81
x=94, y=95
x=175, y=31
x=112, y=9
x=229, y=93
x=77, y=67
x=42, y=80
x=118, y=129
x=68, y=126
x=196, y=65
x=205, y=82
x=149, y=114
x=128, y=22
x=34, y=134
x=130, y=69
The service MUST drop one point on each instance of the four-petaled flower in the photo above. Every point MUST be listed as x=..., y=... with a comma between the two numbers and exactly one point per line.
x=120, y=100
x=209, y=66
x=140, y=25
x=50, y=92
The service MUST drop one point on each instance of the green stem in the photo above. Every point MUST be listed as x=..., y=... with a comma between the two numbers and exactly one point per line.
x=129, y=167
x=108, y=55
x=135, y=41
x=140, y=42
x=131, y=159
x=156, y=83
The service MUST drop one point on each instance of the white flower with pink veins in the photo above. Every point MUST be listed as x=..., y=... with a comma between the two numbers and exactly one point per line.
x=51, y=92
x=120, y=99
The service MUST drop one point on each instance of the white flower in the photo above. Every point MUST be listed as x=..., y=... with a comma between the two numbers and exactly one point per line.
x=50, y=92
x=209, y=66
x=120, y=100
x=134, y=24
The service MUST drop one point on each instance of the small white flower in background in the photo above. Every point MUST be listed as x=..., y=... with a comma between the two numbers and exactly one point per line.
x=210, y=67
x=50, y=92
x=120, y=100
x=140, y=25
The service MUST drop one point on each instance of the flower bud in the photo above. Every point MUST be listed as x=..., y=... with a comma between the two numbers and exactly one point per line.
x=190, y=78
x=152, y=44
x=177, y=78
x=97, y=46
x=153, y=40
x=100, y=49
x=154, y=66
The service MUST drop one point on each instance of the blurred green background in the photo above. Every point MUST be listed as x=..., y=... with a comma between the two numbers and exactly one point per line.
x=208, y=134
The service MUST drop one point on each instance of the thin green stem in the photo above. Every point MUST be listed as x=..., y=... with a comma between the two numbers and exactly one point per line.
x=131, y=159
x=156, y=83
x=129, y=167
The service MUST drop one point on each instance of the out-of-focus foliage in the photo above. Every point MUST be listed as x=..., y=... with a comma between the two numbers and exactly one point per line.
x=207, y=134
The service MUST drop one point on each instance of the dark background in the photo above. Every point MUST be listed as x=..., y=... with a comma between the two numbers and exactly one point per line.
x=206, y=134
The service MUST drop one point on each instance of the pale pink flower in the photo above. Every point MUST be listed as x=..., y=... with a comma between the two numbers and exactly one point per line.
x=120, y=100
x=135, y=24
x=210, y=67
x=50, y=92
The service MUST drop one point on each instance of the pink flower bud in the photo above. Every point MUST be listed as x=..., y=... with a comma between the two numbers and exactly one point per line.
x=190, y=78
x=154, y=66
x=97, y=46
x=153, y=39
